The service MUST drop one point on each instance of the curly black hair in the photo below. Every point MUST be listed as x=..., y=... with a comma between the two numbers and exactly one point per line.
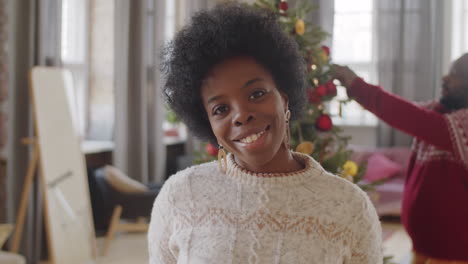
x=228, y=30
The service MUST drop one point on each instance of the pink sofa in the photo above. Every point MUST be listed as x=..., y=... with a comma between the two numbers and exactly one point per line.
x=387, y=197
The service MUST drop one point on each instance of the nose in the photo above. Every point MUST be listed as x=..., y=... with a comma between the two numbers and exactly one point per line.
x=243, y=117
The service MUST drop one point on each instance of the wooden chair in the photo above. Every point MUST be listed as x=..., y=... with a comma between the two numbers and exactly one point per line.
x=124, y=212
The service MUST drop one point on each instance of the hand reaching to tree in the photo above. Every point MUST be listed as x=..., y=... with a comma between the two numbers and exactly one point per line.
x=344, y=74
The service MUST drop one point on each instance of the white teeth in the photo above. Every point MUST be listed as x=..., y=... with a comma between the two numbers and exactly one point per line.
x=251, y=138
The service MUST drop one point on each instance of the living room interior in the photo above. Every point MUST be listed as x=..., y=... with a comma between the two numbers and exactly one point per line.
x=106, y=56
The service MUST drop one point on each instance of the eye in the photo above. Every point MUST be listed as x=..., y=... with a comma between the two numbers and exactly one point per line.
x=220, y=110
x=257, y=94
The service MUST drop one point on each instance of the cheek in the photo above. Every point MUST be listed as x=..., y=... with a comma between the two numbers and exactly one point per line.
x=219, y=128
x=280, y=120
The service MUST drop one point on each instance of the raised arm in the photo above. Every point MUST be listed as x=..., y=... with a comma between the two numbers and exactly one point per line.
x=429, y=126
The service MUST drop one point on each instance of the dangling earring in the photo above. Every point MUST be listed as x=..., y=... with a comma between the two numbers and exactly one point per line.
x=222, y=161
x=287, y=136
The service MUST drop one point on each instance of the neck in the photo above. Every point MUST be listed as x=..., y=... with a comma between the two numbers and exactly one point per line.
x=282, y=162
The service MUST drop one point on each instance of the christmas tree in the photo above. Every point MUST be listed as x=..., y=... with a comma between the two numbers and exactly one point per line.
x=314, y=134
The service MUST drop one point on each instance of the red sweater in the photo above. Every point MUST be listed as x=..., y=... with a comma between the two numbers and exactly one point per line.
x=435, y=199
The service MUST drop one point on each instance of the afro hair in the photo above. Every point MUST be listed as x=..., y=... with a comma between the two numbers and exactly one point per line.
x=228, y=30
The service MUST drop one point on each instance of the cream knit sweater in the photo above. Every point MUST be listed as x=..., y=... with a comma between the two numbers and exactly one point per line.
x=205, y=216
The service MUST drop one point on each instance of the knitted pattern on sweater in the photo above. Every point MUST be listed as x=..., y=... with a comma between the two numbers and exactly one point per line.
x=205, y=216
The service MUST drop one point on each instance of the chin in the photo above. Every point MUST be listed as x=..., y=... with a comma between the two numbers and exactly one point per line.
x=451, y=103
x=255, y=159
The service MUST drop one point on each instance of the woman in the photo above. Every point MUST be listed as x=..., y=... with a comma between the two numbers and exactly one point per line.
x=236, y=79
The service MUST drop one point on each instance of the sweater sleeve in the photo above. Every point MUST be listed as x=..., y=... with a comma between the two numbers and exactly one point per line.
x=159, y=232
x=424, y=124
x=367, y=239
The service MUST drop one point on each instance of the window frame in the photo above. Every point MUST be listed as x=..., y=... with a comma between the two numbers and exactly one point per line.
x=81, y=109
x=361, y=117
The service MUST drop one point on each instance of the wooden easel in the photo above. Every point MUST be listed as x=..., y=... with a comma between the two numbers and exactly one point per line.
x=49, y=104
x=30, y=175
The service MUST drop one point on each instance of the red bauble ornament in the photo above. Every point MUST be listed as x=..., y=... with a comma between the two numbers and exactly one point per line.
x=324, y=123
x=313, y=97
x=283, y=6
x=211, y=149
x=321, y=90
x=331, y=88
x=326, y=49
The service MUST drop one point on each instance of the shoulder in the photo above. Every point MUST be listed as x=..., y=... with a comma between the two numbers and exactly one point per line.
x=334, y=185
x=460, y=115
x=345, y=190
x=458, y=128
x=340, y=195
x=181, y=182
x=430, y=104
x=351, y=205
x=458, y=124
x=204, y=170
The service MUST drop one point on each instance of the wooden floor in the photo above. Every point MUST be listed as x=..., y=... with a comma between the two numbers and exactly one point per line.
x=396, y=243
x=132, y=247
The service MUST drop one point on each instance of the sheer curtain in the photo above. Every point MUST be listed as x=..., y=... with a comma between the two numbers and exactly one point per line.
x=139, y=34
x=33, y=28
x=3, y=115
x=410, y=43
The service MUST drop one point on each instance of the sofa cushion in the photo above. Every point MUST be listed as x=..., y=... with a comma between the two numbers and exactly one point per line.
x=399, y=155
x=121, y=182
x=380, y=167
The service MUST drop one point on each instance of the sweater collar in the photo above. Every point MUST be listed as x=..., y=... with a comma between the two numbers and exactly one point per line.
x=312, y=168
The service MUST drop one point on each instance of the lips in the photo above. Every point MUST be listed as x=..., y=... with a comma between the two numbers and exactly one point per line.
x=251, y=138
x=251, y=135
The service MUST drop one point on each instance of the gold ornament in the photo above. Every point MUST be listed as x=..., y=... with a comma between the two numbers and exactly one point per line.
x=313, y=67
x=350, y=168
x=347, y=177
x=316, y=81
x=305, y=147
x=300, y=27
x=323, y=56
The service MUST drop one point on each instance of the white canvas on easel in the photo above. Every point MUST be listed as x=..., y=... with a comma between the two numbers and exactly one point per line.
x=69, y=222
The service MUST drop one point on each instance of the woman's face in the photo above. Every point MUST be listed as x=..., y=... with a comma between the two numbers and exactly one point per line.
x=455, y=85
x=246, y=111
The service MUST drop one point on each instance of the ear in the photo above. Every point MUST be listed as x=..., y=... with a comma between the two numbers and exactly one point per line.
x=285, y=101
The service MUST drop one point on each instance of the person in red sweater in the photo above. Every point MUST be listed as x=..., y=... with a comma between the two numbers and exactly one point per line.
x=435, y=199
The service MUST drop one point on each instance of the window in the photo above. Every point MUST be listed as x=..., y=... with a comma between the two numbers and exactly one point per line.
x=460, y=28
x=74, y=57
x=353, y=45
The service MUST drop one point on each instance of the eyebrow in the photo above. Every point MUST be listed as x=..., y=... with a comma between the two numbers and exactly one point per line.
x=254, y=80
x=246, y=84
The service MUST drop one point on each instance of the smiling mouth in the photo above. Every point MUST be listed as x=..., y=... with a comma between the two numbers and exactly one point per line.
x=253, y=137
